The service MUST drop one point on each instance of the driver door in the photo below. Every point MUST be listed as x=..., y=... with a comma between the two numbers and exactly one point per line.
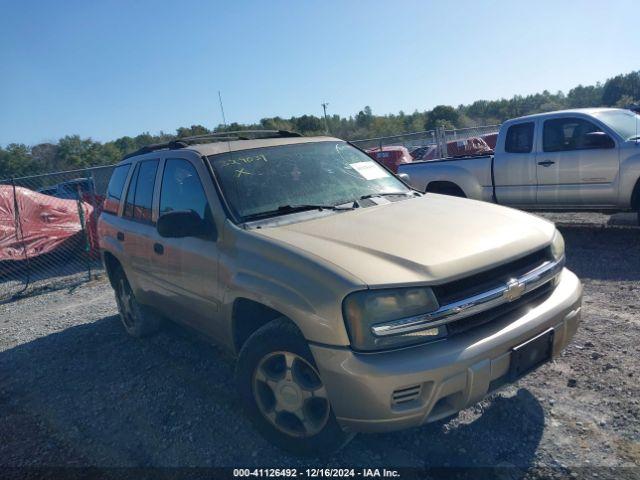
x=572, y=170
x=190, y=264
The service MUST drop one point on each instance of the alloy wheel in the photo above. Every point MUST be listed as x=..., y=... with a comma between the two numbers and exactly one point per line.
x=290, y=394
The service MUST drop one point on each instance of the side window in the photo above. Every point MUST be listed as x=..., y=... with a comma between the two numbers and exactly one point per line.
x=182, y=190
x=519, y=138
x=140, y=193
x=114, y=190
x=562, y=134
x=144, y=190
x=131, y=192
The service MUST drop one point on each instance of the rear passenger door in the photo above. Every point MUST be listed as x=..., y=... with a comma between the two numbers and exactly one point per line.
x=515, y=166
x=141, y=233
x=191, y=263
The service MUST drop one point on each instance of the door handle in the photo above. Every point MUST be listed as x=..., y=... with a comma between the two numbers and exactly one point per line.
x=120, y=236
x=158, y=248
x=546, y=163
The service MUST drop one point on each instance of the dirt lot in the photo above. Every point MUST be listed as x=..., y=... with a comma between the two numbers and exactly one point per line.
x=76, y=391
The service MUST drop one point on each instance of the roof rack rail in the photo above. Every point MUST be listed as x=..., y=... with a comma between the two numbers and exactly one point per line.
x=184, y=142
x=156, y=146
x=243, y=134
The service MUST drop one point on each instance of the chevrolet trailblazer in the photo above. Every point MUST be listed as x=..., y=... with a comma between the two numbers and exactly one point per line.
x=353, y=302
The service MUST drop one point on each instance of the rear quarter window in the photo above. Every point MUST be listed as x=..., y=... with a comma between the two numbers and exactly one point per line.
x=519, y=138
x=115, y=187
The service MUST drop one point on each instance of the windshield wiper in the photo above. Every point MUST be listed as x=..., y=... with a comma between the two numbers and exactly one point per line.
x=382, y=194
x=286, y=209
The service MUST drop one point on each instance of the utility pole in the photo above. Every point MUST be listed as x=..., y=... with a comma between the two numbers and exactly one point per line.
x=326, y=124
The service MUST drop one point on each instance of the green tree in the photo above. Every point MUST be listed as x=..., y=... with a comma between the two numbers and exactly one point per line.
x=192, y=131
x=75, y=152
x=16, y=161
x=364, y=117
x=582, y=97
x=617, y=87
x=441, y=116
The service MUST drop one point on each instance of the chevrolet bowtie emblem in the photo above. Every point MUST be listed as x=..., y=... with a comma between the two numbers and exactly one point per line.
x=514, y=290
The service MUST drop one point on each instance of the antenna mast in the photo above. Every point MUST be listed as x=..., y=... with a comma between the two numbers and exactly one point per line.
x=224, y=119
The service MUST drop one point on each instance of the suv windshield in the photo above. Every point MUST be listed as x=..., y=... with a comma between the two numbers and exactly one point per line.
x=317, y=173
x=625, y=122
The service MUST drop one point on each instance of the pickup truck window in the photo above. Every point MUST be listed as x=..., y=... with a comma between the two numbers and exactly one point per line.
x=624, y=122
x=519, y=138
x=562, y=134
x=329, y=173
x=114, y=190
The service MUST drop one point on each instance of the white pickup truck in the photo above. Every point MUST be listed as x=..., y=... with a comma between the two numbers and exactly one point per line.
x=582, y=159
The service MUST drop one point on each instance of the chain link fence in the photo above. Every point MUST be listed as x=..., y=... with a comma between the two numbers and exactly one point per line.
x=408, y=140
x=439, y=143
x=48, y=230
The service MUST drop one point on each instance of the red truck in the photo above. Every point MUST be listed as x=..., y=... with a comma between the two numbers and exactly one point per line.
x=391, y=156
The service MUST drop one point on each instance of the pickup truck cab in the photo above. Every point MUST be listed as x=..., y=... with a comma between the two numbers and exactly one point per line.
x=299, y=256
x=583, y=159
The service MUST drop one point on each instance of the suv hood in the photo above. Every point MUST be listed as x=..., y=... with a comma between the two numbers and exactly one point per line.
x=430, y=239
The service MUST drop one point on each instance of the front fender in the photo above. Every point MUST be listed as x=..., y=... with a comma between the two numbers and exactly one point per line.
x=293, y=282
x=630, y=181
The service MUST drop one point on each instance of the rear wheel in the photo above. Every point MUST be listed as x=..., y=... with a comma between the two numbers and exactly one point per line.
x=138, y=320
x=283, y=393
x=445, y=188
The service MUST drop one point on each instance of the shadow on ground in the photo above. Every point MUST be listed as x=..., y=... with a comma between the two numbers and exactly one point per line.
x=45, y=273
x=90, y=395
x=603, y=253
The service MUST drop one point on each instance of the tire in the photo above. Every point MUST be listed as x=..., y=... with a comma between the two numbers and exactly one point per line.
x=277, y=358
x=138, y=321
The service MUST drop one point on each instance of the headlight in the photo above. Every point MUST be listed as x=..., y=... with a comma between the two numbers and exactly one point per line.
x=368, y=308
x=557, y=246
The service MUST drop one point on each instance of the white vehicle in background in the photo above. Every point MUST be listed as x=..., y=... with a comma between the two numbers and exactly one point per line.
x=582, y=159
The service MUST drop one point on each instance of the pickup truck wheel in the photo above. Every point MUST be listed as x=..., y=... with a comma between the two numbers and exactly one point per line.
x=283, y=393
x=139, y=321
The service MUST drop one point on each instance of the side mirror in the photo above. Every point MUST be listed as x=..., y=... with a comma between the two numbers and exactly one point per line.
x=404, y=177
x=598, y=140
x=181, y=223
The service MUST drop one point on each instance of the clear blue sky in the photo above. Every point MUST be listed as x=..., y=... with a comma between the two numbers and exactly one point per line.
x=108, y=68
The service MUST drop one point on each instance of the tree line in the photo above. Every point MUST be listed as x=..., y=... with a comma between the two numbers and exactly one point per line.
x=73, y=152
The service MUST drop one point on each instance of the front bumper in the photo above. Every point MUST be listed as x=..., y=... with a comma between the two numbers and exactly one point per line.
x=449, y=375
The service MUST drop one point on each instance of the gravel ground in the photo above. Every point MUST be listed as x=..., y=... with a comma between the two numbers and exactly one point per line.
x=75, y=390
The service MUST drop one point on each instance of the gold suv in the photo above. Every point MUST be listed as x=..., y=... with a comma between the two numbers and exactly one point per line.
x=353, y=302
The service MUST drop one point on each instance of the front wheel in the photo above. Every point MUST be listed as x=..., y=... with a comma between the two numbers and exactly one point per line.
x=283, y=393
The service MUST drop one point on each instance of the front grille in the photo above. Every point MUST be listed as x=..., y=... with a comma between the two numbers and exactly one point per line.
x=405, y=395
x=488, y=279
x=527, y=301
